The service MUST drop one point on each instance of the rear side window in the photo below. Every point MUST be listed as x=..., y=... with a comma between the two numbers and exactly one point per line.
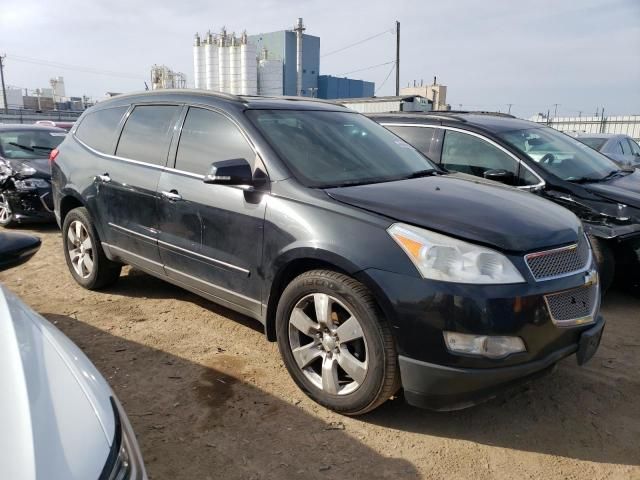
x=617, y=148
x=99, y=129
x=419, y=137
x=208, y=137
x=147, y=134
x=635, y=149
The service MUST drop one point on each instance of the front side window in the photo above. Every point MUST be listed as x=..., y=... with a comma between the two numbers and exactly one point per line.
x=28, y=144
x=560, y=154
x=419, y=137
x=617, y=148
x=209, y=137
x=466, y=153
x=329, y=149
x=635, y=149
x=99, y=129
x=147, y=133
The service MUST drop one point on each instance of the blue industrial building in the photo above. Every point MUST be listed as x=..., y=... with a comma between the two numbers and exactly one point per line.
x=331, y=87
x=282, y=46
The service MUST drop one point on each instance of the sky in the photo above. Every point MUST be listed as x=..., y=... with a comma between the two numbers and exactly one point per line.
x=583, y=55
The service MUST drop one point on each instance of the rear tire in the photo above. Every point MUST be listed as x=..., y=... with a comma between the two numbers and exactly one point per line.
x=336, y=343
x=83, y=252
x=605, y=261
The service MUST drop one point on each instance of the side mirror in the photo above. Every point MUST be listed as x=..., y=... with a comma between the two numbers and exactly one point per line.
x=236, y=171
x=501, y=176
x=16, y=248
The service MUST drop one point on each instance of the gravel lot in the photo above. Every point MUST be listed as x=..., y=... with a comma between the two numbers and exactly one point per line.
x=210, y=398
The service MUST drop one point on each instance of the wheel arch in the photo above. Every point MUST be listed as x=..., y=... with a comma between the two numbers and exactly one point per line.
x=297, y=262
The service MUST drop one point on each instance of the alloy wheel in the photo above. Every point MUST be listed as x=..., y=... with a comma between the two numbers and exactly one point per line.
x=328, y=344
x=5, y=209
x=80, y=249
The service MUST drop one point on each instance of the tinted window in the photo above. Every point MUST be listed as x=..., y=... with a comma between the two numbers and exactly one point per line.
x=147, y=133
x=594, y=142
x=625, y=146
x=337, y=148
x=468, y=154
x=617, y=148
x=634, y=147
x=99, y=129
x=208, y=137
x=419, y=137
x=29, y=144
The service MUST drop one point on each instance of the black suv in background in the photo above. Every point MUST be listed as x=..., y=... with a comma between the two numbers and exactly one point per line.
x=370, y=266
x=542, y=160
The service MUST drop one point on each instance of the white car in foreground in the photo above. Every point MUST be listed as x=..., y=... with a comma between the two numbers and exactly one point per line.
x=59, y=419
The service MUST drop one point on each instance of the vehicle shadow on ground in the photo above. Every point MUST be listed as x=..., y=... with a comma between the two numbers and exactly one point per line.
x=585, y=413
x=576, y=412
x=208, y=423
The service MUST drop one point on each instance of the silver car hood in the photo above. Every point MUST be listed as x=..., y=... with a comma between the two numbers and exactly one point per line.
x=56, y=418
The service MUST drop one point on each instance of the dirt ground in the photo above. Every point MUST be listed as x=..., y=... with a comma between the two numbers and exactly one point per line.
x=209, y=397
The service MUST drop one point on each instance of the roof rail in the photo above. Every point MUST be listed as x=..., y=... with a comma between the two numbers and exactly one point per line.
x=471, y=112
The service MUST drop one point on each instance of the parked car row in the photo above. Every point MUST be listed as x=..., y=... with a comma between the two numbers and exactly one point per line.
x=372, y=266
x=622, y=149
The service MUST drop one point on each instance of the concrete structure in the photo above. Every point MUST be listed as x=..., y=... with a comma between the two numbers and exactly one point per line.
x=163, y=77
x=14, y=98
x=436, y=93
x=402, y=103
x=330, y=87
x=621, y=124
x=57, y=91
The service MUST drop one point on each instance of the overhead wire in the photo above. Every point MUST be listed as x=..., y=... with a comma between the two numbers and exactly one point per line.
x=387, y=78
x=64, y=66
x=359, y=42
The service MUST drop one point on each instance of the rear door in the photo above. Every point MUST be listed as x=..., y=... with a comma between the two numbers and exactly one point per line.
x=210, y=236
x=127, y=188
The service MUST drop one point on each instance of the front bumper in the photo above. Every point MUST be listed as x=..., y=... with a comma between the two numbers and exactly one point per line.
x=438, y=387
x=31, y=205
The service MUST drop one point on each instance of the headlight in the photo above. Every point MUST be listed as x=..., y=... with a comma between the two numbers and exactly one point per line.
x=125, y=460
x=30, y=184
x=439, y=257
x=26, y=170
x=483, y=345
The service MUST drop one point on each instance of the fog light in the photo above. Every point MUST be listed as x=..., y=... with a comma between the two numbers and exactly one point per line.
x=483, y=345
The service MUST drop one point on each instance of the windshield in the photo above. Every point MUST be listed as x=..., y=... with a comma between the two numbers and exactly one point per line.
x=29, y=144
x=561, y=154
x=594, y=142
x=330, y=149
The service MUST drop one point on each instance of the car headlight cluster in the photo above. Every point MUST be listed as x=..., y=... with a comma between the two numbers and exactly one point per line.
x=125, y=460
x=439, y=257
x=30, y=184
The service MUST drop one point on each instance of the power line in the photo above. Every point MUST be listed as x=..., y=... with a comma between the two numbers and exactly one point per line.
x=385, y=80
x=368, y=68
x=358, y=42
x=64, y=66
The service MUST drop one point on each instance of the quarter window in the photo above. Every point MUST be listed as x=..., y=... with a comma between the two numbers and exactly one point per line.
x=147, y=133
x=472, y=155
x=99, y=129
x=208, y=137
x=635, y=149
x=419, y=137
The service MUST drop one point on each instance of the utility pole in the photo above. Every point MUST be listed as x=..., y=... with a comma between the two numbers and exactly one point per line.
x=555, y=110
x=510, y=105
x=397, y=58
x=4, y=91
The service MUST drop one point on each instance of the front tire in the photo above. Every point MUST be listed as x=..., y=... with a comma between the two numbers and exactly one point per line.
x=336, y=343
x=6, y=214
x=83, y=252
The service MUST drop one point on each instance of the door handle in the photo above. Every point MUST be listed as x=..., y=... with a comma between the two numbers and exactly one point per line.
x=173, y=195
x=105, y=178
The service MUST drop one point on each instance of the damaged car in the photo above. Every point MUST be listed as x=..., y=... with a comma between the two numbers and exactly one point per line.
x=25, y=176
x=544, y=161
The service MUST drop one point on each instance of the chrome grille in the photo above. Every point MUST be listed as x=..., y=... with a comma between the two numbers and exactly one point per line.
x=574, y=307
x=560, y=262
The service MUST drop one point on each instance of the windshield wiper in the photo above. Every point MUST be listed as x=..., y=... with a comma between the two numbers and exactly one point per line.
x=422, y=173
x=24, y=147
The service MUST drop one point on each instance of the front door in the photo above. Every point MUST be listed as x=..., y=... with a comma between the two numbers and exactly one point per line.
x=210, y=236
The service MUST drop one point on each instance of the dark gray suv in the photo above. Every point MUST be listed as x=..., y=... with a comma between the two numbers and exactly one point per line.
x=371, y=267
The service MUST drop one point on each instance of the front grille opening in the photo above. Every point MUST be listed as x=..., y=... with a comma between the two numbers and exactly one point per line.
x=560, y=261
x=573, y=307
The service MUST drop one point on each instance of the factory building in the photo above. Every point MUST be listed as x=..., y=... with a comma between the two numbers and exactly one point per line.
x=436, y=93
x=276, y=63
x=391, y=104
x=330, y=87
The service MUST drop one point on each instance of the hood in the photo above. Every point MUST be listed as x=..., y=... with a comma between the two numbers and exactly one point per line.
x=621, y=189
x=41, y=165
x=55, y=411
x=459, y=205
